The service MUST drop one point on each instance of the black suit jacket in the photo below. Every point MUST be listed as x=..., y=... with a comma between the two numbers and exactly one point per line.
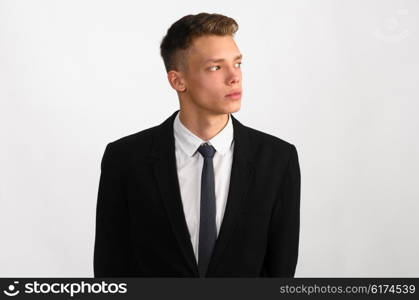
x=141, y=229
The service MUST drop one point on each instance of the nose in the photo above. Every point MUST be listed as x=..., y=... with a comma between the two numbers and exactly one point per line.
x=234, y=76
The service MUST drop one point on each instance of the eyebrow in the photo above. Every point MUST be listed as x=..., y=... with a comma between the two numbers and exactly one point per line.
x=215, y=60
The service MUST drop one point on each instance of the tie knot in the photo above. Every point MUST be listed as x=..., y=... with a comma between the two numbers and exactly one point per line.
x=207, y=151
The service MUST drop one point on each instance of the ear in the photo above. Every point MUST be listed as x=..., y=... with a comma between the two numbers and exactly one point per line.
x=176, y=80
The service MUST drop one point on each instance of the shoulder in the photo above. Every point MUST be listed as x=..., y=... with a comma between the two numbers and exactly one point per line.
x=140, y=139
x=132, y=146
x=269, y=150
x=262, y=140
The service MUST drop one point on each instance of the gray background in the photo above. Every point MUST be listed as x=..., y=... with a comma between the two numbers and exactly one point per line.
x=339, y=79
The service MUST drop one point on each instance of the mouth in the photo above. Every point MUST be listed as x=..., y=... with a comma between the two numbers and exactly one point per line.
x=234, y=95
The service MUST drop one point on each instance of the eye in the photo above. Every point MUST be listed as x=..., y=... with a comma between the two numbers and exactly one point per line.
x=212, y=67
x=239, y=63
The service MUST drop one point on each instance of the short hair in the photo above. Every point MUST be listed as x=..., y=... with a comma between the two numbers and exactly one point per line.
x=181, y=34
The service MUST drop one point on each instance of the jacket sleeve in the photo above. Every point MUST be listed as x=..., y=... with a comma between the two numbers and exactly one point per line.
x=112, y=246
x=283, y=237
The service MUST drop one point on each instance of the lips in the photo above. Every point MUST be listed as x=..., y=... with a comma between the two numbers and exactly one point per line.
x=234, y=94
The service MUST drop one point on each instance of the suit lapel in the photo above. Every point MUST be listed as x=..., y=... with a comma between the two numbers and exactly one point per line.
x=163, y=158
x=241, y=175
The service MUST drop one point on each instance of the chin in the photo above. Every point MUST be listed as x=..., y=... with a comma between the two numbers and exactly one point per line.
x=233, y=108
x=230, y=106
x=236, y=109
x=227, y=110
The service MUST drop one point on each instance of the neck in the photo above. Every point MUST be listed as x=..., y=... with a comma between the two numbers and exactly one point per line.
x=203, y=124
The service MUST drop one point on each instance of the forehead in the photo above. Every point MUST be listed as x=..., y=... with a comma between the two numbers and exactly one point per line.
x=213, y=46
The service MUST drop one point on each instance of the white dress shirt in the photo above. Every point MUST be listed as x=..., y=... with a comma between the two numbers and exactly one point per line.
x=189, y=163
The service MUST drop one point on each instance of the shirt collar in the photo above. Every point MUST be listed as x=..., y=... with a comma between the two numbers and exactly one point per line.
x=190, y=143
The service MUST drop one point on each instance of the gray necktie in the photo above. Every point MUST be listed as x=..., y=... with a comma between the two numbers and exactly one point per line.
x=207, y=226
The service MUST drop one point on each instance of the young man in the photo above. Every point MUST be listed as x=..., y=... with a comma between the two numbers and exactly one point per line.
x=199, y=195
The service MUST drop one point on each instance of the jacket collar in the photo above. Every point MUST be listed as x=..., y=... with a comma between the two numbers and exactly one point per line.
x=189, y=143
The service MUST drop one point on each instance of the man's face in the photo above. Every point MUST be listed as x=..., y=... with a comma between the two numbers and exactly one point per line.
x=213, y=72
